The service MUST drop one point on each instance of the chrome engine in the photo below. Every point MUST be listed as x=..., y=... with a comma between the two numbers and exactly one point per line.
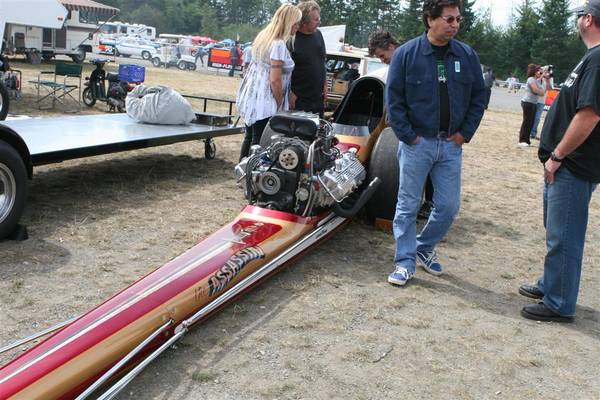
x=301, y=171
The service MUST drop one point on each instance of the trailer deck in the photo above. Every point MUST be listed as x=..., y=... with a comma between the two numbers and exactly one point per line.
x=52, y=140
x=25, y=143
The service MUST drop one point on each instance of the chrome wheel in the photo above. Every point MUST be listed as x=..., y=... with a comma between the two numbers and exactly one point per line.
x=8, y=192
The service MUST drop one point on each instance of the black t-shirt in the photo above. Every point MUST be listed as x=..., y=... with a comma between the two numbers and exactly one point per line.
x=440, y=54
x=308, y=77
x=580, y=90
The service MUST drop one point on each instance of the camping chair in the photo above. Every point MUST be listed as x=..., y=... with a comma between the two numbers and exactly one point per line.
x=61, y=89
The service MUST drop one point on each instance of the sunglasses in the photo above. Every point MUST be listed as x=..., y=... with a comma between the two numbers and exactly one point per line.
x=451, y=18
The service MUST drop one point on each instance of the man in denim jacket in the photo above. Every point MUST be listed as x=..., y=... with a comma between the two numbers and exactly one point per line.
x=435, y=99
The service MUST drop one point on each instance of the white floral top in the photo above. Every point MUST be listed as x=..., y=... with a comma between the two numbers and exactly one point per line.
x=255, y=100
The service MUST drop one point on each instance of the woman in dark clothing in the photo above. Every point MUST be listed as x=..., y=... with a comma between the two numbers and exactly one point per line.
x=529, y=102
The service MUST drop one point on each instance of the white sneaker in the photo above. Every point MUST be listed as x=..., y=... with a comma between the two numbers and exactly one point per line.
x=523, y=144
x=400, y=276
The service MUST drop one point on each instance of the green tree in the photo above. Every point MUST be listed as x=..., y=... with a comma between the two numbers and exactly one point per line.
x=555, y=44
x=410, y=21
x=522, y=34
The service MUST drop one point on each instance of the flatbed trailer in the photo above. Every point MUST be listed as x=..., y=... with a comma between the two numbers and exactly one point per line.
x=32, y=142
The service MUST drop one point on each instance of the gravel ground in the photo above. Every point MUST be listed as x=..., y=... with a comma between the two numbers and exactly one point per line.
x=329, y=326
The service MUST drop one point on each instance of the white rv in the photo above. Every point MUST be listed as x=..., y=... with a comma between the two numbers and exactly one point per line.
x=117, y=29
x=74, y=38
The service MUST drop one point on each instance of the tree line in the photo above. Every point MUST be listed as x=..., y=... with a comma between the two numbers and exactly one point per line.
x=541, y=32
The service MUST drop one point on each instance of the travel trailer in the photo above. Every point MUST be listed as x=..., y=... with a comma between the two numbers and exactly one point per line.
x=73, y=38
x=117, y=29
x=51, y=15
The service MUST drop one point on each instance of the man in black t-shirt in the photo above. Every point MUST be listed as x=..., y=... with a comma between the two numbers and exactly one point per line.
x=570, y=152
x=308, y=78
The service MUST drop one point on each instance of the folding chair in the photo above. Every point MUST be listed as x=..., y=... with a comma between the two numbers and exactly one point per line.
x=61, y=88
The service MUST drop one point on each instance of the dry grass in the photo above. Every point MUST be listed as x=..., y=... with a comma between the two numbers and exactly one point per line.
x=315, y=330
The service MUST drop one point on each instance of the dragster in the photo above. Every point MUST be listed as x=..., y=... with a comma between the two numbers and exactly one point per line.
x=306, y=179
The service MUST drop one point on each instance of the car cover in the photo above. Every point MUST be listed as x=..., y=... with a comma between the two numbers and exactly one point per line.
x=158, y=105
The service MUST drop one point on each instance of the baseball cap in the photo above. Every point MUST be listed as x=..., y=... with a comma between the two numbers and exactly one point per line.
x=589, y=7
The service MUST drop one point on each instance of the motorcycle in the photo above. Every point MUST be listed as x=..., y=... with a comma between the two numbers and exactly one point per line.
x=96, y=88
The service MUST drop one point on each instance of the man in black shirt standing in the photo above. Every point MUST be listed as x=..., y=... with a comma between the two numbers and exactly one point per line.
x=234, y=53
x=309, y=88
x=570, y=152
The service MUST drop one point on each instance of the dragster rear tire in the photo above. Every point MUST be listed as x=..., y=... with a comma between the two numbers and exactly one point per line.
x=384, y=164
x=13, y=188
x=4, y=102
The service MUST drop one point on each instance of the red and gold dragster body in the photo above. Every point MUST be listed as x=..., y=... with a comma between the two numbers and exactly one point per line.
x=156, y=310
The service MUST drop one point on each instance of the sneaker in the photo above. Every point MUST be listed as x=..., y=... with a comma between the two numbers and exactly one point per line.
x=430, y=262
x=523, y=144
x=400, y=276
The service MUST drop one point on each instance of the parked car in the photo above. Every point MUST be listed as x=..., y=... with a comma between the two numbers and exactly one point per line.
x=135, y=47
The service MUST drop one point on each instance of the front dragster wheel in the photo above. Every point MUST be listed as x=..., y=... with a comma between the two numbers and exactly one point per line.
x=13, y=188
x=384, y=164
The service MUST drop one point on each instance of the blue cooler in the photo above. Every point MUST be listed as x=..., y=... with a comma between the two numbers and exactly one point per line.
x=132, y=73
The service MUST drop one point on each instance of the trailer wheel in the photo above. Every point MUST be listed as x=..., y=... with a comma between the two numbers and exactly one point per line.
x=384, y=164
x=210, y=149
x=191, y=66
x=146, y=55
x=88, y=97
x=156, y=62
x=4, y=102
x=13, y=188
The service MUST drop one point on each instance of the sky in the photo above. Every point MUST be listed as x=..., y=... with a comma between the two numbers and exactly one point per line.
x=501, y=9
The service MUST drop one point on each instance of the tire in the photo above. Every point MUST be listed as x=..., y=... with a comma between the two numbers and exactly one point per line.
x=191, y=66
x=156, y=62
x=210, y=149
x=117, y=53
x=384, y=164
x=88, y=97
x=146, y=55
x=182, y=65
x=13, y=188
x=79, y=57
x=47, y=56
x=4, y=102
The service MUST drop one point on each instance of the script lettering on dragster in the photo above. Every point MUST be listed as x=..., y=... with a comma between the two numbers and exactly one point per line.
x=232, y=267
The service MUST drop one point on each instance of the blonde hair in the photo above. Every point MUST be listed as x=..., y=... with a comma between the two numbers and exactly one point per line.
x=280, y=28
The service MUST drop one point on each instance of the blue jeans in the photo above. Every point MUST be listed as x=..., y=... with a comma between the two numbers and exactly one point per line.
x=536, y=121
x=442, y=160
x=566, y=205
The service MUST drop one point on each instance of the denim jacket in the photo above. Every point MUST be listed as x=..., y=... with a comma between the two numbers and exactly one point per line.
x=412, y=90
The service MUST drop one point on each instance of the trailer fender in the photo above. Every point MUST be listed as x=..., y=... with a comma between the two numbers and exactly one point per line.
x=10, y=137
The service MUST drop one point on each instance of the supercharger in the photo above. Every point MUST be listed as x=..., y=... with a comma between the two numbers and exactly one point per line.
x=300, y=170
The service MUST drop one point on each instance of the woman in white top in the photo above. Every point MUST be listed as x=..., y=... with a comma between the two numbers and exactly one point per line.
x=529, y=102
x=266, y=84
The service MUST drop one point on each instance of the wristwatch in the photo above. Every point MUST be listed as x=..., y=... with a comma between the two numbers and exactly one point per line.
x=553, y=157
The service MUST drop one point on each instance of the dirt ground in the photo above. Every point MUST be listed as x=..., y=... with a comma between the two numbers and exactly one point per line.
x=329, y=326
